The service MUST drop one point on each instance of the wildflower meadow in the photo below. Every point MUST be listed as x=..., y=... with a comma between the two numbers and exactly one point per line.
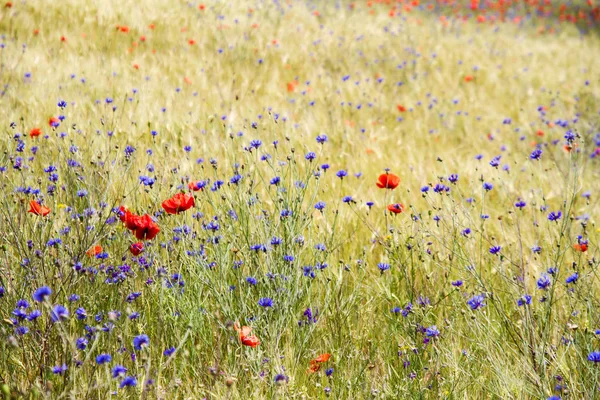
x=298, y=199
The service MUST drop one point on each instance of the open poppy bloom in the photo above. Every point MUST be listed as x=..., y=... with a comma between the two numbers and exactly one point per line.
x=136, y=248
x=245, y=337
x=401, y=108
x=145, y=228
x=94, y=251
x=38, y=209
x=128, y=218
x=315, y=364
x=178, y=203
x=35, y=132
x=388, y=181
x=396, y=208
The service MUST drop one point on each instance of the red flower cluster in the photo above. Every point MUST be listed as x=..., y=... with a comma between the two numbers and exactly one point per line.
x=141, y=226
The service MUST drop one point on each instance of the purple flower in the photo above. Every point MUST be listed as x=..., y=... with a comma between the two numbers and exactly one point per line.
x=265, y=302
x=59, y=313
x=554, y=216
x=42, y=294
x=476, y=302
x=141, y=341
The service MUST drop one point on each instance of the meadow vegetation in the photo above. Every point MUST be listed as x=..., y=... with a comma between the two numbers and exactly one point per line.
x=297, y=199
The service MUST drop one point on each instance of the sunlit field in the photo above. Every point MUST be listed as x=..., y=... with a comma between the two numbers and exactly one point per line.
x=300, y=200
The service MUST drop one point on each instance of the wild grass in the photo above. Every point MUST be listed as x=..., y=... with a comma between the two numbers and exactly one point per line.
x=238, y=93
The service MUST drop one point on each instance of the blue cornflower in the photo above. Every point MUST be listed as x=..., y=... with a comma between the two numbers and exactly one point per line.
x=59, y=313
x=572, y=279
x=235, y=179
x=141, y=341
x=329, y=372
x=81, y=343
x=453, y=178
x=82, y=193
x=466, y=232
x=520, y=204
x=255, y=144
x=544, y=282
x=275, y=181
x=322, y=139
x=432, y=331
x=118, y=370
x=554, y=216
x=129, y=150
x=169, y=352
x=487, y=186
x=476, y=302
x=425, y=189
x=251, y=280
x=341, y=174
x=310, y=156
x=128, y=381
x=265, y=302
x=495, y=249
x=347, y=199
x=383, y=267
x=103, y=358
x=457, y=283
x=59, y=369
x=536, y=154
x=42, y=294
x=594, y=356
x=320, y=205
x=281, y=379
x=524, y=300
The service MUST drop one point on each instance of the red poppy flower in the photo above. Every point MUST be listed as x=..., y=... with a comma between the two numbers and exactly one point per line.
x=94, y=251
x=401, y=108
x=315, y=364
x=35, y=132
x=245, y=337
x=8, y=4
x=388, y=181
x=468, y=78
x=396, y=208
x=123, y=28
x=136, y=248
x=194, y=186
x=128, y=218
x=201, y=7
x=582, y=247
x=145, y=229
x=53, y=122
x=178, y=203
x=38, y=209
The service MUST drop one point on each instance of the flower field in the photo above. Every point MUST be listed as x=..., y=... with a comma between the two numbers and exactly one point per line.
x=300, y=199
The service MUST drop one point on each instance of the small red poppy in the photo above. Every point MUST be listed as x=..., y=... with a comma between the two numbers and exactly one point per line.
x=178, y=203
x=388, y=181
x=582, y=247
x=35, y=132
x=136, y=248
x=245, y=337
x=94, y=251
x=396, y=208
x=38, y=209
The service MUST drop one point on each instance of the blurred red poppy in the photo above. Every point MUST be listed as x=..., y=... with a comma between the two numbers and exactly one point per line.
x=315, y=364
x=94, y=251
x=388, y=181
x=396, y=208
x=194, y=186
x=136, y=248
x=35, y=132
x=582, y=247
x=178, y=203
x=38, y=209
x=245, y=337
